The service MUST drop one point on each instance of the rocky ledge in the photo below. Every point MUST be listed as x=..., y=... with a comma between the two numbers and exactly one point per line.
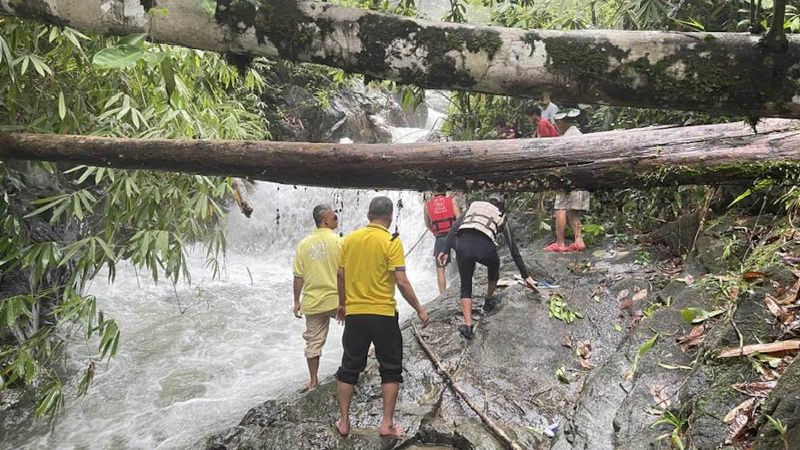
x=628, y=372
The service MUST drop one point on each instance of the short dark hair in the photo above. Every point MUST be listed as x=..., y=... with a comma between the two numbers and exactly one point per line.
x=319, y=213
x=380, y=208
x=533, y=109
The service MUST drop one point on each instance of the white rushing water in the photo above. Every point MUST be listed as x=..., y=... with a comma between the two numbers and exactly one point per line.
x=195, y=357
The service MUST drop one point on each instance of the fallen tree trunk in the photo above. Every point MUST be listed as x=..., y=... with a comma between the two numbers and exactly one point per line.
x=721, y=72
x=708, y=154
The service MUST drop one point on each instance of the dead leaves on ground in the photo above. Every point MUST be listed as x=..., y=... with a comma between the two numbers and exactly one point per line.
x=739, y=419
x=693, y=338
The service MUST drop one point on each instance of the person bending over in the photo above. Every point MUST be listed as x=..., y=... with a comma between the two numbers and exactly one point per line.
x=477, y=232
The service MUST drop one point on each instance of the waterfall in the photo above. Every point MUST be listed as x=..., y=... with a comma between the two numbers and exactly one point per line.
x=193, y=358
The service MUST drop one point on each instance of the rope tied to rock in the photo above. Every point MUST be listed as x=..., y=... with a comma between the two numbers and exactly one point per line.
x=448, y=377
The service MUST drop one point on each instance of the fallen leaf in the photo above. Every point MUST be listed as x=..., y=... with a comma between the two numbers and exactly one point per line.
x=693, y=338
x=659, y=396
x=752, y=276
x=640, y=295
x=585, y=364
x=733, y=294
x=584, y=349
x=622, y=294
x=627, y=305
x=567, y=341
x=791, y=295
x=756, y=388
x=777, y=310
x=772, y=347
x=688, y=280
x=674, y=366
x=739, y=418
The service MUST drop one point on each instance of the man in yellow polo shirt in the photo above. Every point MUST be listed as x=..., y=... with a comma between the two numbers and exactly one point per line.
x=372, y=264
x=315, y=265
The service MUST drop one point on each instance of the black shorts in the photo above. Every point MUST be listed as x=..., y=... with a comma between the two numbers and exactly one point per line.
x=439, y=247
x=361, y=330
x=475, y=247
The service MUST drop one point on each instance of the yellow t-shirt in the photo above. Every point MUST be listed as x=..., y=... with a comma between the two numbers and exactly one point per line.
x=369, y=258
x=317, y=261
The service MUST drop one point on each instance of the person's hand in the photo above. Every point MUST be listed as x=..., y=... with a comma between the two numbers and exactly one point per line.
x=340, y=314
x=442, y=258
x=297, y=310
x=423, y=316
x=530, y=283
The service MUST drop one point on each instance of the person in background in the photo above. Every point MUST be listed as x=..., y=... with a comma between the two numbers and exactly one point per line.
x=505, y=130
x=315, y=266
x=477, y=232
x=543, y=127
x=550, y=109
x=569, y=206
x=440, y=213
x=371, y=266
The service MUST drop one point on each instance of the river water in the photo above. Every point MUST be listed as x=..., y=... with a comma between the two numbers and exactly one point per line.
x=193, y=358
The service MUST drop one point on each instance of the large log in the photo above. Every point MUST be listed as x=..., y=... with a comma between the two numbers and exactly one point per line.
x=707, y=154
x=722, y=72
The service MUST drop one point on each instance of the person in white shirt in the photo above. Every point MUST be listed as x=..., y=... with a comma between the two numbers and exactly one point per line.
x=549, y=109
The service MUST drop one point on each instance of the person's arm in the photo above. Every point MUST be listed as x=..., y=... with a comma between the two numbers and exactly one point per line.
x=407, y=291
x=512, y=245
x=451, y=235
x=340, y=311
x=456, y=210
x=298, y=289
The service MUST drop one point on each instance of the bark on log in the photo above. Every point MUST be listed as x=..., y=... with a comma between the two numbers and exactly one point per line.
x=708, y=154
x=722, y=72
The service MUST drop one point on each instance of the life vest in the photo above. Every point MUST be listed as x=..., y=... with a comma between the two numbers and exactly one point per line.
x=483, y=217
x=442, y=214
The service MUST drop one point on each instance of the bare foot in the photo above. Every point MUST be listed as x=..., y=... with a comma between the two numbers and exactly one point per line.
x=310, y=386
x=342, y=427
x=393, y=431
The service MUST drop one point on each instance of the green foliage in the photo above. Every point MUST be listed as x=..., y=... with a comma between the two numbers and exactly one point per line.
x=557, y=307
x=59, y=228
x=643, y=350
x=678, y=427
x=592, y=233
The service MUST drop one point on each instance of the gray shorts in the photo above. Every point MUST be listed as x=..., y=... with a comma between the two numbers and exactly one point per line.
x=574, y=200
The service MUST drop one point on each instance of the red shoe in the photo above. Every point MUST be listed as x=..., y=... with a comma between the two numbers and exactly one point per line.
x=554, y=247
x=575, y=247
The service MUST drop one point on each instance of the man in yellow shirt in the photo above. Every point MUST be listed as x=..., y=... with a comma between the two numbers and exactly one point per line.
x=372, y=264
x=315, y=265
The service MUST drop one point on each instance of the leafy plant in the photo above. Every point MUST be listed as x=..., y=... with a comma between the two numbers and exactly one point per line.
x=678, y=426
x=643, y=349
x=558, y=308
x=55, y=236
x=781, y=428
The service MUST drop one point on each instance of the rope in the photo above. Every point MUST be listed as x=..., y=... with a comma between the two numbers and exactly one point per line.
x=416, y=243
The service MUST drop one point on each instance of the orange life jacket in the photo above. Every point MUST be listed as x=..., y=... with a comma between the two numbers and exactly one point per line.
x=441, y=213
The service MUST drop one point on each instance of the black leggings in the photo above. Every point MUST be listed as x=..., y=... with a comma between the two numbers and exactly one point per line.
x=475, y=247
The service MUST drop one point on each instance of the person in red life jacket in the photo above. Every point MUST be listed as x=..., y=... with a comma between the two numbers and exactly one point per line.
x=505, y=130
x=477, y=232
x=440, y=214
x=543, y=126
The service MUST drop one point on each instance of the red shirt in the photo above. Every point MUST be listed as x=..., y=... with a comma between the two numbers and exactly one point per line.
x=546, y=129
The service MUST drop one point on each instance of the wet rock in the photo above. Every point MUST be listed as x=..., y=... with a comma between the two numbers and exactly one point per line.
x=679, y=234
x=782, y=404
